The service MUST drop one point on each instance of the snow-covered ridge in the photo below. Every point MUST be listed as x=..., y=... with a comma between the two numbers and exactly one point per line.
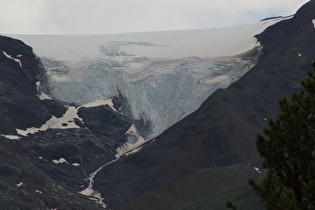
x=169, y=45
x=163, y=75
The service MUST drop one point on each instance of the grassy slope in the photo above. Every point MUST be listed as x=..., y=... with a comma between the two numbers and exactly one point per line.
x=205, y=189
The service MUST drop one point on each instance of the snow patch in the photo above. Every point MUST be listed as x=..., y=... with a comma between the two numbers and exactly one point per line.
x=131, y=130
x=313, y=21
x=41, y=95
x=15, y=59
x=19, y=184
x=11, y=137
x=299, y=54
x=257, y=169
x=133, y=151
x=76, y=164
x=94, y=195
x=61, y=160
x=91, y=192
x=130, y=148
x=67, y=121
x=38, y=191
x=27, y=131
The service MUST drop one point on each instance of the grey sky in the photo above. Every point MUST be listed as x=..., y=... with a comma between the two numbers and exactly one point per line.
x=119, y=16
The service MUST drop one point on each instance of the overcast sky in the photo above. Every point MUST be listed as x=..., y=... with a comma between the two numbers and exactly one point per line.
x=119, y=16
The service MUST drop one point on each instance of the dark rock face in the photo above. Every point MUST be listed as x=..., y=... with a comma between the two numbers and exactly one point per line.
x=112, y=130
x=48, y=169
x=28, y=182
x=20, y=107
x=223, y=130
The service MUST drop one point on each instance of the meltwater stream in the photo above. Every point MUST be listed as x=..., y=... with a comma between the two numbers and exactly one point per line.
x=93, y=194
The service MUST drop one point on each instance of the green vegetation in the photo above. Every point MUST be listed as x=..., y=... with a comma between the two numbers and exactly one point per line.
x=205, y=189
x=288, y=149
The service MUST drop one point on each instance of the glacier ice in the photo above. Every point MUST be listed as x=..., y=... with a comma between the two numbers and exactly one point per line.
x=162, y=76
x=159, y=97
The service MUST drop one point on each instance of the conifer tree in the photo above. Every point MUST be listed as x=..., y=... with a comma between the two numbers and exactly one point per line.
x=288, y=150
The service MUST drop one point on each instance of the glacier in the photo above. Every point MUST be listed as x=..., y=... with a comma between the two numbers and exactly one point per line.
x=163, y=76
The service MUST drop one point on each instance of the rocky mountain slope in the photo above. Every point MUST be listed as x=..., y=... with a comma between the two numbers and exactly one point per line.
x=29, y=177
x=51, y=150
x=70, y=116
x=223, y=130
x=205, y=189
